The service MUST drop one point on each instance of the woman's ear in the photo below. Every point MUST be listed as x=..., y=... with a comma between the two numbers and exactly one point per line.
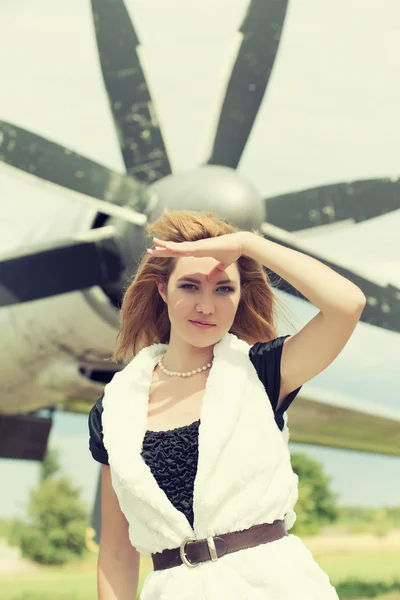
x=161, y=290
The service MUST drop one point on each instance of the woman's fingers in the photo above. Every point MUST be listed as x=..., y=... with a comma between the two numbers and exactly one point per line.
x=164, y=252
x=159, y=250
x=170, y=248
x=216, y=272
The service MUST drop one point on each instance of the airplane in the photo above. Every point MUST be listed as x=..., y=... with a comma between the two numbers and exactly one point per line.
x=61, y=286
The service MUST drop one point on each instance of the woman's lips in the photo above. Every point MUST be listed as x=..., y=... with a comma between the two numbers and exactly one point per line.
x=201, y=326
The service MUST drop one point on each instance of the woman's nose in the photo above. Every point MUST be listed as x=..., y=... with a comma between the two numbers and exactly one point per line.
x=205, y=306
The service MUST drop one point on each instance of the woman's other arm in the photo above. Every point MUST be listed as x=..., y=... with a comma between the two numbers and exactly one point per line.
x=118, y=561
x=312, y=349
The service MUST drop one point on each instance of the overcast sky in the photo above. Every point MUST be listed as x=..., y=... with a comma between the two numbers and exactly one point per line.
x=330, y=114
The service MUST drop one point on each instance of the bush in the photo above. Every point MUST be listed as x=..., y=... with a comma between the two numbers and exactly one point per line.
x=317, y=504
x=55, y=531
x=354, y=588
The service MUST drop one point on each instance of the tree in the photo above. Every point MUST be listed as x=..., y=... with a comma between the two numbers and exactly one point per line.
x=55, y=533
x=317, y=504
x=50, y=464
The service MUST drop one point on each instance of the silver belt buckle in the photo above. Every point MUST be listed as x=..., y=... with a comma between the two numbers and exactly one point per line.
x=211, y=548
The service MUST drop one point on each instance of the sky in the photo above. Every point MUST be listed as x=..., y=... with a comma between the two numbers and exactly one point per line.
x=330, y=115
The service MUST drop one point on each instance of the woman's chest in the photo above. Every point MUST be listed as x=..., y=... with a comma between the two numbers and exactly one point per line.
x=174, y=404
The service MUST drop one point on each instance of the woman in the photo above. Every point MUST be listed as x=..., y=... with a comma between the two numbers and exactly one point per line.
x=192, y=432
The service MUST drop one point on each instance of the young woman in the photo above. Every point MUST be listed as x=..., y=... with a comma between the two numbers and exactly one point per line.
x=192, y=432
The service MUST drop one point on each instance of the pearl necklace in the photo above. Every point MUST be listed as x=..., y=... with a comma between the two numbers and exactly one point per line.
x=188, y=374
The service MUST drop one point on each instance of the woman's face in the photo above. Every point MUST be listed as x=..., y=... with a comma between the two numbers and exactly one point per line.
x=203, y=300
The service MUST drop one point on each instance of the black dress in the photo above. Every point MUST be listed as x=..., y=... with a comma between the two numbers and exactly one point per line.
x=172, y=455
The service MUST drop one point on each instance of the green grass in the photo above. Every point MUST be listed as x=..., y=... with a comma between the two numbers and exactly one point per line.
x=368, y=565
x=78, y=581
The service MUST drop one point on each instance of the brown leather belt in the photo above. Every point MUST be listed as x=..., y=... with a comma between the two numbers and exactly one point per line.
x=192, y=552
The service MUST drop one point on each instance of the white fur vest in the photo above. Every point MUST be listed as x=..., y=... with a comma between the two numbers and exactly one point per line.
x=244, y=478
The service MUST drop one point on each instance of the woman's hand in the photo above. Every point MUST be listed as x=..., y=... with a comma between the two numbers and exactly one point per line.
x=224, y=248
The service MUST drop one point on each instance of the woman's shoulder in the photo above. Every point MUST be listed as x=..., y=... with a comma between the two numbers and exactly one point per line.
x=95, y=425
x=266, y=358
x=273, y=346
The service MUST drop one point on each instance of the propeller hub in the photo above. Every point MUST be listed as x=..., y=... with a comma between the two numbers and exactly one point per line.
x=211, y=188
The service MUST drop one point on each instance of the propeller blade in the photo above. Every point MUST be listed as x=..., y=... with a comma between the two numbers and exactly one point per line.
x=50, y=161
x=383, y=302
x=315, y=207
x=101, y=206
x=89, y=258
x=141, y=140
x=261, y=31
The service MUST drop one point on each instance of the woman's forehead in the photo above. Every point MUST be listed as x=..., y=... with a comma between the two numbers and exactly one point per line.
x=199, y=267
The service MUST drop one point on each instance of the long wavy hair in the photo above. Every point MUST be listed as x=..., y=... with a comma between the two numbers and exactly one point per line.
x=144, y=316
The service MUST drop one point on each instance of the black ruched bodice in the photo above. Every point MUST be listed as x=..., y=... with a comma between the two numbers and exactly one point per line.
x=172, y=455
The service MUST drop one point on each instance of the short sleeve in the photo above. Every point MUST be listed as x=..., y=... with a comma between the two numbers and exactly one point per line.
x=96, y=446
x=266, y=358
